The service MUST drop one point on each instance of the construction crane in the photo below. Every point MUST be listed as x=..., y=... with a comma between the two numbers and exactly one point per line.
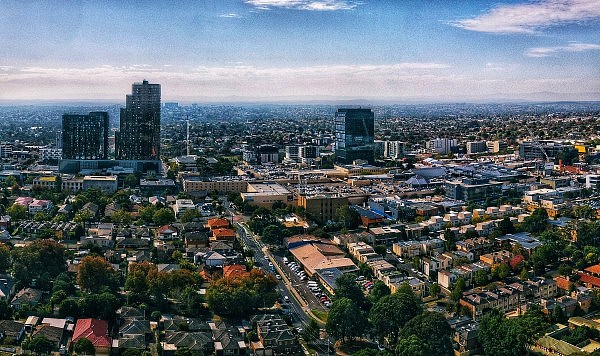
x=536, y=143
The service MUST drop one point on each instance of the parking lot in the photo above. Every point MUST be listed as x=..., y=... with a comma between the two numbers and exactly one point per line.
x=314, y=296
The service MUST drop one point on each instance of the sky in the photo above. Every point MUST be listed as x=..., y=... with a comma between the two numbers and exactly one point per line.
x=301, y=50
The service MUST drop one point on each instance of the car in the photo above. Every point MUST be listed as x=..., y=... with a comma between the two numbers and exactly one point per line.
x=266, y=257
x=277, y=276
x=286, y=298
x=270, y=264
x=303, y=278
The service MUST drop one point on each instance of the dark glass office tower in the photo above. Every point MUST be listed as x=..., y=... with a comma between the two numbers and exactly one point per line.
x=139, y=134
x=85, y=136
x=354, y=135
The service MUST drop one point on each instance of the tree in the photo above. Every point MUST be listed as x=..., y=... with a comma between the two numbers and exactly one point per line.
x=480, y=277
x=378, y=291
x=505, y=226
x=380, y=249
x=434, y=289
x=450, y=240
x=345, y=320
x=95, y=273
x=38, y=261
x=121, y=217
x=240, y=296
x=84, y=346
x=501, y=336
x=500, y=270
x=163, y=216
x=457, y=289
x=411, y=346
x=391, y=312
x=272, y=234
x=130, y=180
x=17, y=212
x=433, y=330
x=311, y=332
x=147, y=214
x=537, y=222
x=39, y=345
x=348, y=288
x=189, y=215
x=347, y=217
x=5, y=260
x=558, y=315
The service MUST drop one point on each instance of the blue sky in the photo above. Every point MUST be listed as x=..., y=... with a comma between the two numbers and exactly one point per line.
x=225, y=50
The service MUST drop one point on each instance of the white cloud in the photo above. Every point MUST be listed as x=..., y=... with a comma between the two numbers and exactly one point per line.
x=314, y=5
x=205, y=83
x=231, y=16
x=570, y=48
x=532, y=16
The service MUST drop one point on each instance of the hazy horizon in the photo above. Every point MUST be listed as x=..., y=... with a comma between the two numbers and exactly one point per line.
x=302, y=50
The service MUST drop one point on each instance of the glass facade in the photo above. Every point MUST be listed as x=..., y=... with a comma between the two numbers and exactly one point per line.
x=354, y=135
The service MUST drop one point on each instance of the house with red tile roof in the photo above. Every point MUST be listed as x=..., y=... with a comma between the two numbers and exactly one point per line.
x=223, y=235
x=217, y=223
x=167, y=232
x=235, y=271
x=96, y=331
x=590, y=276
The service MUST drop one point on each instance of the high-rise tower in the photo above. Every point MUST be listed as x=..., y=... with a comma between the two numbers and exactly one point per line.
x=354, y=135
x=139, y=134
x=85, y=136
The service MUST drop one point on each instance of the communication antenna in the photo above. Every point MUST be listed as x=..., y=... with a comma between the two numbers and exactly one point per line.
x=187, y=134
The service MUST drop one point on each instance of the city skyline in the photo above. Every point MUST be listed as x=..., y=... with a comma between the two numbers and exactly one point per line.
x=303, y=50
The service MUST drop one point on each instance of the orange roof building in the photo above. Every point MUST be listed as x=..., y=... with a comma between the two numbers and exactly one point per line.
x=235, y=271
x=223, y=234
x=218, y=223
x=94, y=330
x=590, y=276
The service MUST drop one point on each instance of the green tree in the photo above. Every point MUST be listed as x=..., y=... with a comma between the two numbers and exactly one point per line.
x=391, y=312
x=411, y=346
x=121, y=217
x=84, y=346
x=348, y=288
x=480, y=277
x=130, y=181
x=39, y=345
x=457, y=289
x=537, y=222
x=380, y=249
x=272, y=234
x=6, y=311
x=345, y=320
x=449, y=240
x=433, y=330
x=501, y=336
x=378, y=291
x=500, y=271
x=5, y=260
x=38, y=261
x=311, y=332
x=558, y=315
x=17, y=212
x=189, y=215
x=163, y=216
x=347, y=217
x=434, y=289
x=505, y=226
x=147, y=214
